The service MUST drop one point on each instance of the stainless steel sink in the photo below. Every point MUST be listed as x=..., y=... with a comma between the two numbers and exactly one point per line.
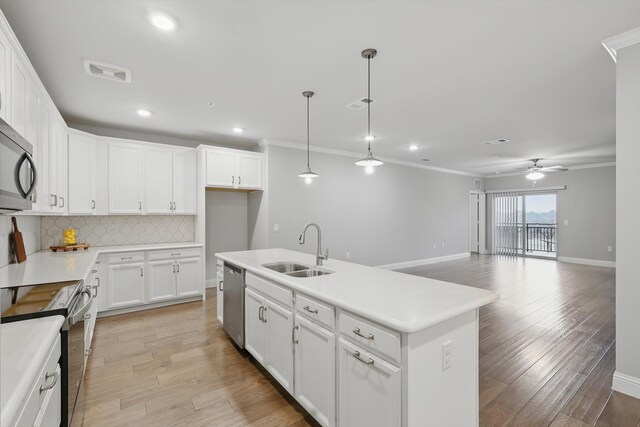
x=286, y=266
x=309, y=273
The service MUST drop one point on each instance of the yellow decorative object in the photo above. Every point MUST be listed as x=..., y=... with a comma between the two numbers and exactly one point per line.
x=69, y=236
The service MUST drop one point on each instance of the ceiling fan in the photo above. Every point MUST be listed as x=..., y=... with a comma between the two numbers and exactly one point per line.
x=535, y=172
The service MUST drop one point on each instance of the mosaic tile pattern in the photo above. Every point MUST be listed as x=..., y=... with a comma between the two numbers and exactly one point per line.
x=119, y=230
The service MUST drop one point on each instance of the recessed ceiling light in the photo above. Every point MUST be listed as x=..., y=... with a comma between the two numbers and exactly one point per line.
x=495, y=141
x=163, y=21
x=426, y=160
x=211, y=104
x=238, y=130
x=144, y=113
x=414, y=147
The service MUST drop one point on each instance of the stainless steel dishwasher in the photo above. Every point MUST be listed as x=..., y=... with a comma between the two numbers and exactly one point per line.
x=233, y=297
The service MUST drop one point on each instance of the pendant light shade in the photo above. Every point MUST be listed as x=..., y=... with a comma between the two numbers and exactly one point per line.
x=369, y=162
x=535, y=175
x=308, y=174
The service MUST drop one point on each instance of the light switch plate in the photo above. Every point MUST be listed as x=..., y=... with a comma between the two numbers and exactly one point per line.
x=276, y=228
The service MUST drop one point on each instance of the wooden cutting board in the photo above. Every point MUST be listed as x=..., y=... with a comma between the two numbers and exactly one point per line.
x=18, y=242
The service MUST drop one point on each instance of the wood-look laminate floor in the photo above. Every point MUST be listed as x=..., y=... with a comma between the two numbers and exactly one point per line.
x=546, y=347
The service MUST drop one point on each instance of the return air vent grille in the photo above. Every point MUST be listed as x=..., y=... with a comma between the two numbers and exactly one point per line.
x=107, y=71
x=360, y=103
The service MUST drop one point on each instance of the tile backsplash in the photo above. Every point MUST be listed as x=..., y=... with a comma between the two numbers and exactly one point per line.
x=119, y=230
x=29, y=226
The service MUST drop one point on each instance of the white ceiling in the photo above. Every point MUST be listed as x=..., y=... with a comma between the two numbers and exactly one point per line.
x=448, y=75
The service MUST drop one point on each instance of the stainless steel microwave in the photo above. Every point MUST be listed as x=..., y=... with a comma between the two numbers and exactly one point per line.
x=18, y=175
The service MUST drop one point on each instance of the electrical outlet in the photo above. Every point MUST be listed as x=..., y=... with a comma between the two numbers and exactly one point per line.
x=276, y=228
x=434, y=246
x=446, y=355
x=443, y=245
x=609, y=248
x=348, y=255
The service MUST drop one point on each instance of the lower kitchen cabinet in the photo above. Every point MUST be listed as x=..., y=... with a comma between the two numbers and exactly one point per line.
x=268, y=336
x=315, y=386
x=126, y=284
x=369, y=388
x=162, y=280
x=189, y=277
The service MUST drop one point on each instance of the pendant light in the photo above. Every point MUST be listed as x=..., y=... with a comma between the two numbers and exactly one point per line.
x=308, y=175
x=369, y=162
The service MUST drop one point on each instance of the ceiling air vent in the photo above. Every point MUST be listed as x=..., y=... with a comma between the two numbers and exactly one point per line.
x=107, y=71
x=360, y=103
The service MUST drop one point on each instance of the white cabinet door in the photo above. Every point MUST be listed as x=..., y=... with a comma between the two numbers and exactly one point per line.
x=220, y=297
x=82, y=174
x=315, y=386
x=254, y=327
x=126, y=183
x=369, y=389
x=19, y=85
x=44, y=190
x=33, y=104
x=249, y=171
x=5, y=77
x=189, y=273
x=60, y=134
x=126, y=285
x=279, y=323
x=159, y=182
x=162, y=280
x=221, y=169
x=184, y=182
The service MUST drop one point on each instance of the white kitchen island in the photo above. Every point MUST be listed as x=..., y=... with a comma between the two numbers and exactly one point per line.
x=364, y=346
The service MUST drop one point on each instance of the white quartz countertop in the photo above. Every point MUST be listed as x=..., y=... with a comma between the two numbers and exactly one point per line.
x=402, y=302
x=47, y=267
x=23, y=349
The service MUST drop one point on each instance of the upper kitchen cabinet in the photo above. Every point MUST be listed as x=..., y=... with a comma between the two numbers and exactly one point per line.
x=58, y=165
x=126, y=178
x=171, y=180
x=236, y=169
x=19, y=87
x=82, y=173
x=5, y=74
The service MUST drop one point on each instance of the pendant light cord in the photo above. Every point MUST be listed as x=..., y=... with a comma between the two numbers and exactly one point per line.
x=369, y=102
x=308, y=167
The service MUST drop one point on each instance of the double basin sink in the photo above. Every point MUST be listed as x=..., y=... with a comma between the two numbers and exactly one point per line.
x=295, y=269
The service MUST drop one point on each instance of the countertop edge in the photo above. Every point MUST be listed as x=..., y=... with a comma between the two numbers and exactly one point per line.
x=405, y=328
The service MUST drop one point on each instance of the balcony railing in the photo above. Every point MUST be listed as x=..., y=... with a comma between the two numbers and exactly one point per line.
x=538, y=238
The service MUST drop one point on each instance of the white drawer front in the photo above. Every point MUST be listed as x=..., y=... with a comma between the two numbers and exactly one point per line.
x=371, y=335
x=273, y=291
x=50, y=414
x=126, y=257
x=36, y=398
x=315, y=310
x=175, y=253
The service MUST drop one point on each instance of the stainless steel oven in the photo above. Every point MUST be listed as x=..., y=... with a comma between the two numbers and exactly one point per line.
x=18, y=175
x=71, y=300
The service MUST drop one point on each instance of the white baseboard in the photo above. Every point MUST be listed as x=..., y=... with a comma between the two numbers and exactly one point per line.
x=626, y=384
x=584, y=261
x=419, y=262
x=211, y=283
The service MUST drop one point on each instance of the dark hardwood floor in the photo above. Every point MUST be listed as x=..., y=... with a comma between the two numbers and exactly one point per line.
x=547, y=355
x=547, y=347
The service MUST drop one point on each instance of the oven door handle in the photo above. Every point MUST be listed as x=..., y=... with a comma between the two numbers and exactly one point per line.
x=79, y=315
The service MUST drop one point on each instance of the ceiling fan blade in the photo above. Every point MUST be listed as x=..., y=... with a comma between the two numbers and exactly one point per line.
x=553, y=168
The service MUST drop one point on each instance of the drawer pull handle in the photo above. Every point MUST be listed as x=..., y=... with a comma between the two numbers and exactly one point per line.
x=358, y=333
x=366, y=362
x=51, y=384
x=314, y=311
x=293, y=335
x=94, y=271
x=220, y=286
x=175, y=254
x=126, y=258
x=260, y=313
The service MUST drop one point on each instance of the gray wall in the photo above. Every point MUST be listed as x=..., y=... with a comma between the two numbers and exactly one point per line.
x=30, y=228
x=397, y=214
x=226, y=225
x=628, y=219
x=588, y=203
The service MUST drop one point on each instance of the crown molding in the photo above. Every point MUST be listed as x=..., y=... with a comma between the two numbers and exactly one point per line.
x=345, y=153
x=626, y=39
